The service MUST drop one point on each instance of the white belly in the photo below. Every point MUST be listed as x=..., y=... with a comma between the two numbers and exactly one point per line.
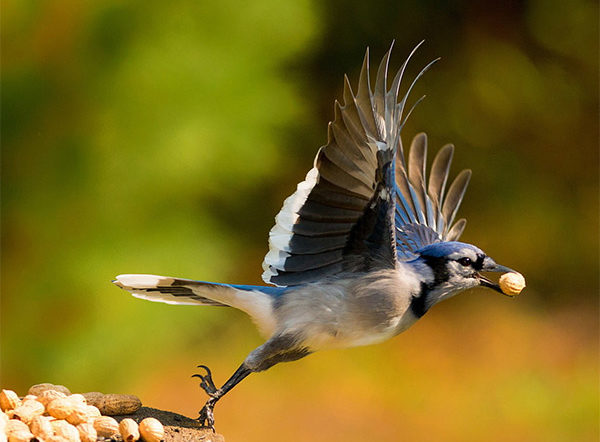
x=347, y=313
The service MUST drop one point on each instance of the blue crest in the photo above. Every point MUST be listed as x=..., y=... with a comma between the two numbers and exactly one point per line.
x=442, y=249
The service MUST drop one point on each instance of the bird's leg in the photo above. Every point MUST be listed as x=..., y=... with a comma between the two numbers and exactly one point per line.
x=280, y=348
x=206, y=416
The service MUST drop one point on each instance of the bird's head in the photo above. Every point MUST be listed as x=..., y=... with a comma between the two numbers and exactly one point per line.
x=457, y=266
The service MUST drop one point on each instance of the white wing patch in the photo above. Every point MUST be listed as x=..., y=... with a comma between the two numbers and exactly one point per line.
x=281, y=234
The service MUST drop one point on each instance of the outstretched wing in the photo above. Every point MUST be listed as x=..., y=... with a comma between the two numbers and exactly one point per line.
x=341, y=217
x=424, y=213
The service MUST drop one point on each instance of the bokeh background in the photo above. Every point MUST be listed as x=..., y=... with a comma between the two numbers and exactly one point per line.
x=162, y=137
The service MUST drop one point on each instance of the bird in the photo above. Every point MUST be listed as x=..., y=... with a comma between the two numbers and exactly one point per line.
x=362, y=249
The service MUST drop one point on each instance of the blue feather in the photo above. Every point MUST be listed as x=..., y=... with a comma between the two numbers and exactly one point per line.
x=441, y=249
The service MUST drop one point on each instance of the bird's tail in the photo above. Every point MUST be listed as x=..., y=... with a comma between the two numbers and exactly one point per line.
x=256, y=301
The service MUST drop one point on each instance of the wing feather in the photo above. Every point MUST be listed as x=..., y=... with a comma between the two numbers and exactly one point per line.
x=363, y=96
x=361, y=207
x=424, y=215
x=439, y=175
x=455, y=195
x=456, y=230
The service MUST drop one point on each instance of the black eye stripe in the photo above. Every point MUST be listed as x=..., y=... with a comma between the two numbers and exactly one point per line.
x=478, y=265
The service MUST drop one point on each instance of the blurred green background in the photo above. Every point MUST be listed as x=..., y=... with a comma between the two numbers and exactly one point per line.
x=162, y=137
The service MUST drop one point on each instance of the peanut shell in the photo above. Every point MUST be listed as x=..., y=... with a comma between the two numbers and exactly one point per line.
x=106, y=426
x=92, y=412
x=62, y=389
x=56, y=438
x=78, y=398
x=152, y=430
x=9, y=400
x=79, y=413
x=129, y=429
x=30, y=402
x=47, y=396
x=93, y=398
x=15, y=425
x=119, y=404
x=40, y=388
x=20, y=436
x=87, y=432
x=3, y=421
x=65, y=430
x=41, y=427
x=27, y=411
x=512, y=283
x=60, y=408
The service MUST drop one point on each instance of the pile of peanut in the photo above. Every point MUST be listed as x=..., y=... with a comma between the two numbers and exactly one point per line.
x=50, y=413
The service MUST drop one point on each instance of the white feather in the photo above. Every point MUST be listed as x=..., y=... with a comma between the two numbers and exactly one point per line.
x=163, y=297
x=279, y=238
x=281, y=234
x=140, y=281
x=381, y=145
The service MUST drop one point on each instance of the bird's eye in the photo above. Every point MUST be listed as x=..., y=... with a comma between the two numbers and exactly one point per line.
x=465, y=261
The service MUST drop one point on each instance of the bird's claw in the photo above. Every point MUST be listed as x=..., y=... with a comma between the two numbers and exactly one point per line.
x=207, y=417
x=206, y=383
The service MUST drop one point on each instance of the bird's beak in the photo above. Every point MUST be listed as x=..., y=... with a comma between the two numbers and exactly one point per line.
x=490, y=266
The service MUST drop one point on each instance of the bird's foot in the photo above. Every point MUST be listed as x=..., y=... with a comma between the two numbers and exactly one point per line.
x=207, y=383
x=207, y=417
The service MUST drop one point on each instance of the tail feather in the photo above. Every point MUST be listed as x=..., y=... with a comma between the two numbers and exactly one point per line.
x=168, y=290
x=256, y=301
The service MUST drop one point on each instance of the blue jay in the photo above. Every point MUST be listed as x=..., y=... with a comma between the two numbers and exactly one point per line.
x=363, y=248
